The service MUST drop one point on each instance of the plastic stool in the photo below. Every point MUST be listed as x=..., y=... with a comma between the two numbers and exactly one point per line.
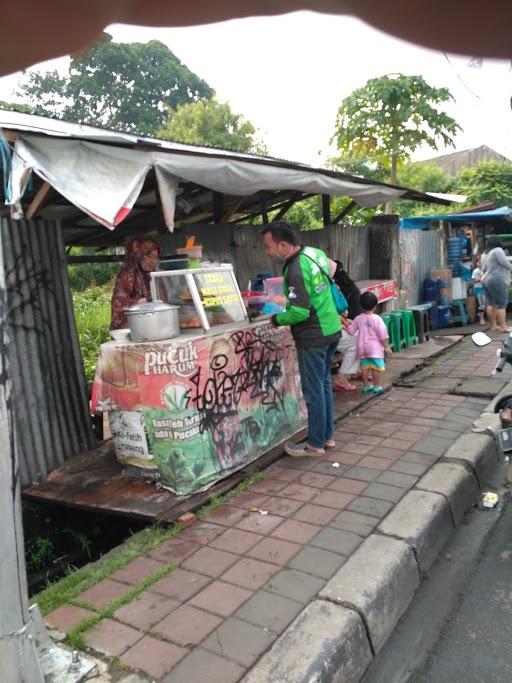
x=462, y=315
x=397, y=338
x=386, y=319
x=409, y=328
x=422, y=321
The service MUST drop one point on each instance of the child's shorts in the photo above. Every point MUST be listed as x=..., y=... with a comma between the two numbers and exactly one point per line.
x=376, y=364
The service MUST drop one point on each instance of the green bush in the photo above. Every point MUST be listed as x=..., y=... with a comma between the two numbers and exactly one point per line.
x=85, y=275
x=92, y=316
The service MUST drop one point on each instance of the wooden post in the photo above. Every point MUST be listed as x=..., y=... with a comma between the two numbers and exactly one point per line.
x=218, y=207
x=326, y=209
x=264, y=212
x=18, y=656
x=38, y=201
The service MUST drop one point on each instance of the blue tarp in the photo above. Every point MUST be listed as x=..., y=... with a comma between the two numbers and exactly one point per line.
x=504, y=213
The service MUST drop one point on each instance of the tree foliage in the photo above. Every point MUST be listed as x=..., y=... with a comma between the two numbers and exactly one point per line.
x=209, y=122
x=16, y=106
x=489, y=181
x=390, y=117
x=126, y=86
x=426, y=178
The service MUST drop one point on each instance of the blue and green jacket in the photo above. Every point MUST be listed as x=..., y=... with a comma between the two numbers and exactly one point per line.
x=310, y=310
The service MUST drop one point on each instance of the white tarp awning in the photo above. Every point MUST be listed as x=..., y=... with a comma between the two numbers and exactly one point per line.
x=104, y=180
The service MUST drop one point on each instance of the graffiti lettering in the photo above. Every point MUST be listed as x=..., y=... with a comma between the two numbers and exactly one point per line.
x=256, y=373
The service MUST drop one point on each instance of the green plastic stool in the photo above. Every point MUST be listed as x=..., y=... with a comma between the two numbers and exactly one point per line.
x=386, y=319
x=461, y=316
x=397, y=338
x=409, y=328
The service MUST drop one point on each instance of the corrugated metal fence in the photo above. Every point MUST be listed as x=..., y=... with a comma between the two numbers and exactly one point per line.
x=420, y=250
x=49, y=388
x=241, y=245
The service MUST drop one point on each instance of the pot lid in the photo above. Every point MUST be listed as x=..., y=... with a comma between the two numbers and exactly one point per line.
x=150, y=307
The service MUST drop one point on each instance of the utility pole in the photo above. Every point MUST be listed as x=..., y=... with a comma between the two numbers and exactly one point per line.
x=18, y=657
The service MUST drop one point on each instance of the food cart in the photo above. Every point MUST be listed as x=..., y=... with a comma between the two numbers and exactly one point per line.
x=190, y=410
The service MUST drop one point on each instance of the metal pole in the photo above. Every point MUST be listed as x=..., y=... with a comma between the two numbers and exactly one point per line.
x=18, y=657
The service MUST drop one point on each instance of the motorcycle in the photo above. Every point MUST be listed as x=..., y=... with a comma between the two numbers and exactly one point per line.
x=504, y=405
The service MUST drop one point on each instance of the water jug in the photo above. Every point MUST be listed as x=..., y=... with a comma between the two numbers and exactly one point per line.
x=429, y=290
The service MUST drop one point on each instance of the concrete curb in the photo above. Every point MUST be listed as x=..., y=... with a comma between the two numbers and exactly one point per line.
x=387, y=570
x=325, y=643
x=455, y=483
x=477, y=452
x=423, y=520
x=372, y=590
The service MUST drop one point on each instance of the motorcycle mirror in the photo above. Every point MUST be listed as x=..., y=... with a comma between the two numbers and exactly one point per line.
x=481, y=339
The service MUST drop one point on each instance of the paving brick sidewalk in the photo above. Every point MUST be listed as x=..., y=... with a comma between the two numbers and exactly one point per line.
x=243, y=575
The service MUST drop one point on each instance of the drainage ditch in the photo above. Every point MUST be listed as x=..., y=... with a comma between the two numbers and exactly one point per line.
x=59, y=539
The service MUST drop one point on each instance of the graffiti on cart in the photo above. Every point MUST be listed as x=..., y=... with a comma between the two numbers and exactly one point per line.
x=250, y=367
x=208, y=405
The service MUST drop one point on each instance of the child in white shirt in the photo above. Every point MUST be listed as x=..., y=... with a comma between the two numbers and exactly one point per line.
x=478, y=291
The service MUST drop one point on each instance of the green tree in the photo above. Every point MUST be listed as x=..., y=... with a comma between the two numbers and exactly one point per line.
x=489, y=181
x=16, y=106
x=126, y=86
x=209, y=122
x=426, y=178
x=371, y=170
x=390, y=117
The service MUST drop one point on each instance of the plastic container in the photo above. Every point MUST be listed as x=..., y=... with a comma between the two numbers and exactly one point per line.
x=455, y=249
x=191, y=252
x=443, y=291
x=443, y=316
x=429, y=289
x=177, y=263
x=258, y=283
x=459, y=290
x=254, y=300
x=274, y=286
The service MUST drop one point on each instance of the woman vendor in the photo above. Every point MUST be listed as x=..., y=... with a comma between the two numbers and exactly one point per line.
x=133, y=282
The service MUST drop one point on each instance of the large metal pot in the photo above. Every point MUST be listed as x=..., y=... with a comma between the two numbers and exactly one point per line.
x=153, y=321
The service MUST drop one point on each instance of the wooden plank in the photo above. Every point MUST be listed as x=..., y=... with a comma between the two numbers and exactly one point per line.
x=293, y=199
x=39, y=199
x=232, y=210
x=345, y=211
x=94, y=481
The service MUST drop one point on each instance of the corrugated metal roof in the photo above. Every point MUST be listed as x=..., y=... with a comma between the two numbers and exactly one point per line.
x=30, y=123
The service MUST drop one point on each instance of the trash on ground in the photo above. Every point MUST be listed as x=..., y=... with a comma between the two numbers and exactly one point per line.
x=335, y=464
x=489, y=499
x=262, y=512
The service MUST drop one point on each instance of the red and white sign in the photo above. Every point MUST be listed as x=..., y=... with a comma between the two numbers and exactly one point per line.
x=384, y=290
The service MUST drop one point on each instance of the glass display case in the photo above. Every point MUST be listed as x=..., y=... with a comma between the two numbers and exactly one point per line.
x=207, y=297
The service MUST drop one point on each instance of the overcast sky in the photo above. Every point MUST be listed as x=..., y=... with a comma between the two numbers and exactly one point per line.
x=289, y=74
